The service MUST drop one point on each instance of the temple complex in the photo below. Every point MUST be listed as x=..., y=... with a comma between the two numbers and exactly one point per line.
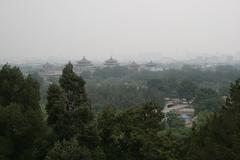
x=133, y=66
x=111, y=62
x=151, y=65
x=83, y=65
x=50, y=70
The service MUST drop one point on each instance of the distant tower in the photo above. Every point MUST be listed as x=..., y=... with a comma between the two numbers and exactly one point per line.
x=133, y=66
x=83, y=65
x=50, y=70
x=111, y=62
x=151, y=66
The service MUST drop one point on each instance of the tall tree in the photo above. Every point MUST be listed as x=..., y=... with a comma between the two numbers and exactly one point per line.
x=73, y=86
x=69, y=111
x=21, y=120
x=58, y=117
x=131, y=134
x=220, y=138
x=11, y=86
x=77, y=104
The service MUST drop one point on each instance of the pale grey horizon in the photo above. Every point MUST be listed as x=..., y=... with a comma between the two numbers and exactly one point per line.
x=125, y=29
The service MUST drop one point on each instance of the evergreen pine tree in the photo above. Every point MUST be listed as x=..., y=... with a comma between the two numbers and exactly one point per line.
x=21, y=120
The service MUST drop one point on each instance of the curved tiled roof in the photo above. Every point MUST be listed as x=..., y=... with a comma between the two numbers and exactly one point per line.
x=133, y=64
x=111, y=61
x=150, y=64
x=84, y=62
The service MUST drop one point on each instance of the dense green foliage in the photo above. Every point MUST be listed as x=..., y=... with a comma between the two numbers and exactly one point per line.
x=72, y=130
x=131, y=134
x=122, y=87
x=21, y=120
x=220, y=138
x=70, y=116
x=207, y=100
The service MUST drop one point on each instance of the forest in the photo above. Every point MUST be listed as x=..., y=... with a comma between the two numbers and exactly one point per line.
x=121, y=87
x=116, y=114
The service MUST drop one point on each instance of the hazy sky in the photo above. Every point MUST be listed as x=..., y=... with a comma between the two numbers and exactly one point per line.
x=103, y=28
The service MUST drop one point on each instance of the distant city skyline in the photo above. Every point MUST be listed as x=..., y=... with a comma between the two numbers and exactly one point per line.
x=159, y=59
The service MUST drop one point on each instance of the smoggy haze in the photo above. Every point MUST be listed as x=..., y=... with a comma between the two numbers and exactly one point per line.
x=120, y=28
